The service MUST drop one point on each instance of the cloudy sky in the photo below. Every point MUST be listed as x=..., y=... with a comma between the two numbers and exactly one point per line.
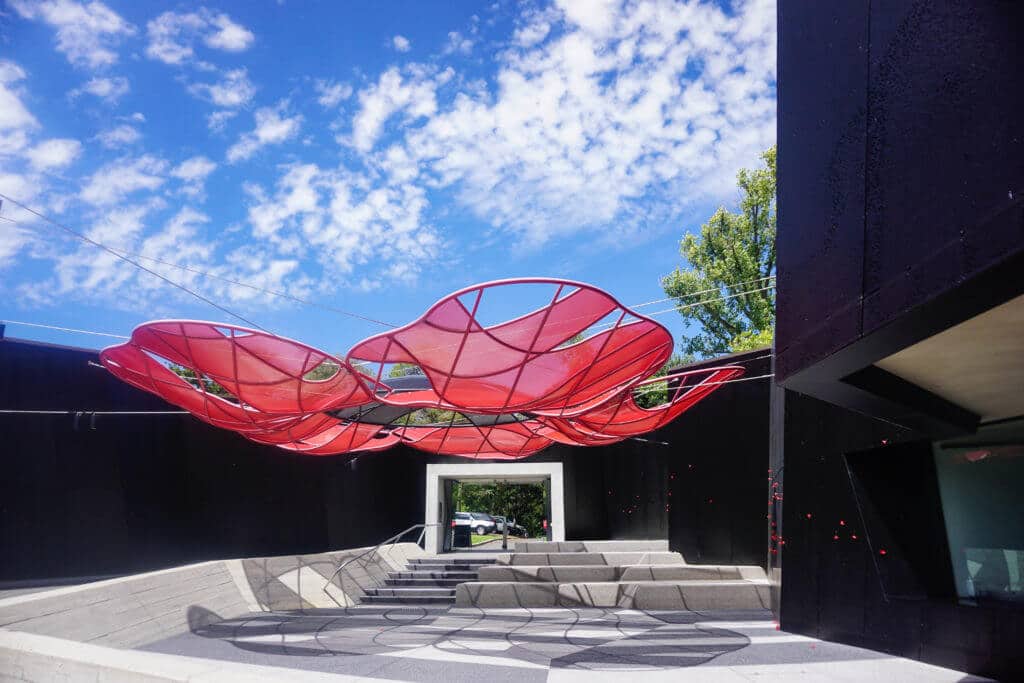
x=366, y=156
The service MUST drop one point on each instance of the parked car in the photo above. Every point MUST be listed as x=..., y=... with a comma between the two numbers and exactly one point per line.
x=513, y=528
x=479, y=522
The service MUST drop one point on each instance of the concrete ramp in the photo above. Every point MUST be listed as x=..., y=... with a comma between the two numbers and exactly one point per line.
x=143, y=608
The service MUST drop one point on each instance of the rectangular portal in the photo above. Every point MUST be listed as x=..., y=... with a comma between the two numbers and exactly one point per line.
x=437, y=516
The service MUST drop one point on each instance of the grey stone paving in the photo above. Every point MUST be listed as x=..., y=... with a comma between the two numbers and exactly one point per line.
x=535, y=645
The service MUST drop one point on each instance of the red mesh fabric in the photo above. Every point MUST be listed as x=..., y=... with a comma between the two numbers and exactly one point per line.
x=259, y=369
x=272, y=403
x=578, y=393
x=511, y=441
x=623, y=417
x=523, y=364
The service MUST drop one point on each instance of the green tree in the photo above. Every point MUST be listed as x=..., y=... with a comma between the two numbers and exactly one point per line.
x=521, y=502
x=656, y=393
x=201, y=382
x=404, y=369
x=732, y=247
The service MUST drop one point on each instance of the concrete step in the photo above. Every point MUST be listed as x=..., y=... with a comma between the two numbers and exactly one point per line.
x=412, y=592
x=612, y=559
x=452, y=560
x=457, y=575
x=603, y=573
x=424, y=566
x=660, y=545
x=426, y=583
x=646, y=595
x=407, y=600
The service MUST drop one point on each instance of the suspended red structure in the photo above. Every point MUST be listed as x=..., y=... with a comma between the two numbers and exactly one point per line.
x=568, y=372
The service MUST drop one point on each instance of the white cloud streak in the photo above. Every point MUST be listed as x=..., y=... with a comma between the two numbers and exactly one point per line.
x=172, y=35
x=233, y=90
x=88, y=33
x=118, y=179
x=54, y=154
x=110, y=89
x=273, y=127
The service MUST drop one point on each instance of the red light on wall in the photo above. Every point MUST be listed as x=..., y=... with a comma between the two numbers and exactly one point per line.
x=882, y=551
x=853, y=536
x=808, y=515
x=842, y=522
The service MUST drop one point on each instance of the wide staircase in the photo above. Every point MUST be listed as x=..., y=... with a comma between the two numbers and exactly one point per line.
x=611, y=574
x=608, y=574
x=426, y=581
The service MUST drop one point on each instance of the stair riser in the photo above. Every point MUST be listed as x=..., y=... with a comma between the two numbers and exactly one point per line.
x=434, y=575
x=421, y=593
x=447, y=567
x=389, y=600
x=423, y=583
x=449, y=560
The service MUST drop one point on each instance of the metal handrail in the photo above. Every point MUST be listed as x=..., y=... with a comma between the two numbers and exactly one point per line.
x=393, y=540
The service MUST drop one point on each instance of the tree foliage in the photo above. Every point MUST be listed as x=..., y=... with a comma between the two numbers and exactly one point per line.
x=656, y=393
x=732, y=247
x=521, y=502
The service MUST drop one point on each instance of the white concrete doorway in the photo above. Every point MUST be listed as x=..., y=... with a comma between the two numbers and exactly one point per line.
x=440, y=476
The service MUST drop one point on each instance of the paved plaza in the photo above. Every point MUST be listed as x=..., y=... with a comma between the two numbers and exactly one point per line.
x=415, y=644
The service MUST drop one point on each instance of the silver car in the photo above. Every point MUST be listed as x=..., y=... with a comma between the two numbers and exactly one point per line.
x=478, y=522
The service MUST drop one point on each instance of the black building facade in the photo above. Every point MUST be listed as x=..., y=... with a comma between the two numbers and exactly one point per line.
x=896, y=428
x=86, y=494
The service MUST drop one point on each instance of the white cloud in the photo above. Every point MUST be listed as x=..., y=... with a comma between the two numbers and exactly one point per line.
x=331, y=93
x=114, y=181
x=14, y=237
x=233, y=90
x=193, y=172
x=14, y=116
x=401, y=44
x=272, y=127
x=229, y=36
x=172, y=35
x=392, y=94
x=119, y=136
x=457, y=44
x=217, y=120
x=602, y=117
x=346, y=223
x=110, y=89
x=86, y=32
x=54, y=153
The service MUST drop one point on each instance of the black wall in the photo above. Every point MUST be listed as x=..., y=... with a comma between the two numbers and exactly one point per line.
x=901, y=169
x=142, y=492
x=836, y=582
x=119, y=493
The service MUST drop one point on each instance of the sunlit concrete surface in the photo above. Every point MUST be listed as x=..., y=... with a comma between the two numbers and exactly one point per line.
x=539, y=645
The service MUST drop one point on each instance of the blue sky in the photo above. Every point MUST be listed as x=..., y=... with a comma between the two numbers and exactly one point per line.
x=371, y=156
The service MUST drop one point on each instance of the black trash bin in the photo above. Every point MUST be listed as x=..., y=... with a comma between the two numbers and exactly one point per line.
x=461, y=537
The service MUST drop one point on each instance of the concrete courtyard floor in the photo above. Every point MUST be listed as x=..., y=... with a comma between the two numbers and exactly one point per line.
x=522, y=645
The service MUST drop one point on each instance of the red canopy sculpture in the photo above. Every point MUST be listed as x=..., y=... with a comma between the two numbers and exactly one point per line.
x=446, y=383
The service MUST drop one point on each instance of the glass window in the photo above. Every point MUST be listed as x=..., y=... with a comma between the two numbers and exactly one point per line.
x=981, y=481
